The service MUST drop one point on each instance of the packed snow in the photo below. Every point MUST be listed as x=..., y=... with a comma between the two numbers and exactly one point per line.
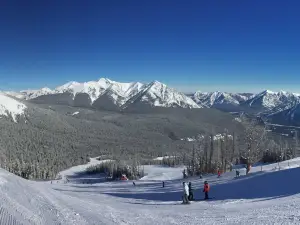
x=11, y=107
x=270, y=194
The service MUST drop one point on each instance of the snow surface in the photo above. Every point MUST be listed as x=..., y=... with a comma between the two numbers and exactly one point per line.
x=75, y=113
x=270, y=194
x=11, y=107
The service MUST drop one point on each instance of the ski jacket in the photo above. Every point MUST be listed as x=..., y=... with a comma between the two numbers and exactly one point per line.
x=186, y=189
x=206, y=188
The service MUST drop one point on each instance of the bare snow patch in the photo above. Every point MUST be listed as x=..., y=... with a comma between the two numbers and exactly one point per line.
x=75, y=113
x=81, y=168
x=161, y=173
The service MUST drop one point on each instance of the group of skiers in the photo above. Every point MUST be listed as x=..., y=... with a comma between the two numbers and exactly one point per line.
x=188, y=192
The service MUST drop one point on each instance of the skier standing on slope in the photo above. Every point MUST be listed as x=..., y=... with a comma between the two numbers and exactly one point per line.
x=206, y=189
x=185, y=197
x=219, y=173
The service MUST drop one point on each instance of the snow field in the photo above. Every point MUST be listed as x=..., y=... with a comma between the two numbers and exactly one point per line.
x=270, y=196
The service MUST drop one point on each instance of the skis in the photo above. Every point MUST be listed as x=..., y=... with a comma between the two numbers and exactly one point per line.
x=198, y=200
x=185, y=203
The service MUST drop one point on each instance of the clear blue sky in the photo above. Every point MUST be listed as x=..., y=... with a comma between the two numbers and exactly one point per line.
x=202, y=44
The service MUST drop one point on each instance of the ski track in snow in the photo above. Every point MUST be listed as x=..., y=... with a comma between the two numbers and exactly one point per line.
x=262, y=197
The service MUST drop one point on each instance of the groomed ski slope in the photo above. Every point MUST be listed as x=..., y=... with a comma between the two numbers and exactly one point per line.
x=270, y=196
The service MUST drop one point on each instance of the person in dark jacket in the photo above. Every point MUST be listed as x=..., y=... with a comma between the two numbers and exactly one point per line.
x=191, y=195
x=206, y=189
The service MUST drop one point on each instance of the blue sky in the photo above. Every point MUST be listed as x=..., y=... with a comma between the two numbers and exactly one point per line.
x=208, y=45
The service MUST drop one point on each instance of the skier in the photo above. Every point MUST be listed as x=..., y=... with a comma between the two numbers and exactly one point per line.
x=185, y=196
x=206, y=189
x=133, y=183
x=163, y=184
x=237, y=173
x=219, y=173
x=191, y=195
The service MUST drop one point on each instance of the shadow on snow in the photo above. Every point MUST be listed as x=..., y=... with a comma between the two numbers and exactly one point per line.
x=263, y=185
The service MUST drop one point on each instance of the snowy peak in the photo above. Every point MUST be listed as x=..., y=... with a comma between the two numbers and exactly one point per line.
x=31, y=94
x=158, y=94
x=211, y=99
x=97, y=88
x=270, y=100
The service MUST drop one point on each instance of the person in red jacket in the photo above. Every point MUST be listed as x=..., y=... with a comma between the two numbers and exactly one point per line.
x=206, y=189
x=219, y=173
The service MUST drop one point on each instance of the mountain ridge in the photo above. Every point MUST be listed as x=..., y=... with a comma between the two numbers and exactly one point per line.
x=112, y=95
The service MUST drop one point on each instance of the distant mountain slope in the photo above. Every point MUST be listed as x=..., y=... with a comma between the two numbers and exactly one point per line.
x=10, y=107
x=117, y=96
x=111, y=95
x=269, y=100
x=219, y=100
x=289, y=117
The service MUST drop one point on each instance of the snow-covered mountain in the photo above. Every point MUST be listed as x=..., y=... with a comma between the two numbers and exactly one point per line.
x=212, y=98
x=220, y=100
x=289, y=117
x=31, y=94
x=109, y=94
x=10, y=107
x=158, y=94
x=273, y=101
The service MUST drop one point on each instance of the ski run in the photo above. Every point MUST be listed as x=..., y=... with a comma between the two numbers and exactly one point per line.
x=269, y=194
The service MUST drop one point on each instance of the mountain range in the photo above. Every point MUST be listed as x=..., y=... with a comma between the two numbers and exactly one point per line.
x=106, y=94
